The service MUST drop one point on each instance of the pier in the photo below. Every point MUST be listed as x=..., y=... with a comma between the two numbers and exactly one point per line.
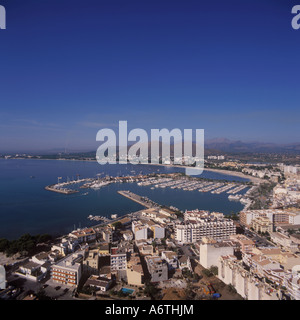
x=145, y=202
x=54, y=188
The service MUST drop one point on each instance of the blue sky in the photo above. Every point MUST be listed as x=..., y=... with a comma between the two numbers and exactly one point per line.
x=70, y=68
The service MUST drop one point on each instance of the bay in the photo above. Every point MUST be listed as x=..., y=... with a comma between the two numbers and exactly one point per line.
x=26, y=207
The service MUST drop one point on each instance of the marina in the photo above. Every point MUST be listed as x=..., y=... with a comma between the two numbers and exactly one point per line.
x=157, y=181
x=72, y=200
x=99, y=218
x=59, y=189
x=191, y=185
x=173, y=181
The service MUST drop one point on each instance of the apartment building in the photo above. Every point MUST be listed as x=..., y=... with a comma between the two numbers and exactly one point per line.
x=262, y=224
x=66, y=246
x=139, y=230
x=185, y=263
x=292, y=283
x=157, y=268
x=107, y=235
x=91, y=262
x=211, y=250
x=284, y=241
x=84, y=235
x=145, y=229
x=158, y=231
x=246, y=283
x=103, y=249
x=145, y=248
x=287, y=260
x=275, y=216
x=260, y=263
x=135, y=274
x=171, y=258
x=118, y=259
x=192, y=231
x=127, y=235
x=246, y=245
x=68, y=271
x=160, y=216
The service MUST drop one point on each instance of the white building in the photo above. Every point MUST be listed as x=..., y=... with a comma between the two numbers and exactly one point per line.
x=158, y=231
x=2, y=278
x=66, y=246
x=276, y=216
x=140, y=230
x=232, y=272
x=211, y=250
x=84, y=235
x=193, y=230
x=171, y=258
x=291, y=170
x=101, y=283
x=292, y=283
x=127, y=235
x=284, y=241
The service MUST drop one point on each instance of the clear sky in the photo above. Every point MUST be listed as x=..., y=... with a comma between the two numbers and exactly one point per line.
x=69, y=68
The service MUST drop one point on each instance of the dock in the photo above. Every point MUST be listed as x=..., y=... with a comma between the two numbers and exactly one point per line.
x=54, y=188
x=145, y=202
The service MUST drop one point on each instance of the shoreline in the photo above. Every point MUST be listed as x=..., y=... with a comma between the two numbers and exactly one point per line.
x=237, y=174
x=220, y=171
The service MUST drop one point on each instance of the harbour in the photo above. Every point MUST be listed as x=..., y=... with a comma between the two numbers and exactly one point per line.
x=38, y=211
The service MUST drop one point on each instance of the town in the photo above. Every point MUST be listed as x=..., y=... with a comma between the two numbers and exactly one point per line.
x=163, y=253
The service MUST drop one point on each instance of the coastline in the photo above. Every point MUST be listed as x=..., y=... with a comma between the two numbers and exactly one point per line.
x=255, y=180
x=237, y=174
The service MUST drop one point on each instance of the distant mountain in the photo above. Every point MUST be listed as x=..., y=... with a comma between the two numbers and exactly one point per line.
x=226, y=145
x=211, y=147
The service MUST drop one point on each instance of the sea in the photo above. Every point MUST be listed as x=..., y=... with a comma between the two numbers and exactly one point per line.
x=26, y=207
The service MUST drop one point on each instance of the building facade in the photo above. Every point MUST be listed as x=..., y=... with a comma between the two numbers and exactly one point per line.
x=68, y=271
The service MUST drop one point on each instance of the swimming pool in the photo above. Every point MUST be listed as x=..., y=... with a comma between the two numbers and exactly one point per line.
x=127, y=291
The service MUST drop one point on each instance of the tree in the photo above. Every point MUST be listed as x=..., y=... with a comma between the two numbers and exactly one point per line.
x=150, y=289
x=214, y=270
x=4, y=244
x=207, y=272
x=117, y=225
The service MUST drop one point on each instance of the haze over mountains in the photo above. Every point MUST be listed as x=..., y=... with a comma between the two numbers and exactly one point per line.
x=226, y=145
x=212, y=146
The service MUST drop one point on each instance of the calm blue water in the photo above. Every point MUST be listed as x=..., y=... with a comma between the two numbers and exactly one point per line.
x=26, y=207
x=127, y=291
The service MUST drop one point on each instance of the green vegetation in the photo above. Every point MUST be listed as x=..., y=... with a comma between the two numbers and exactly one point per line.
x=191, y=275
x=262, y=195
x=150, y=290
x=214, y=270
x=179, y=214
x=89, y=290
x=207, y=273
x=232, y=216
x=117, y=225
x=26, y=244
